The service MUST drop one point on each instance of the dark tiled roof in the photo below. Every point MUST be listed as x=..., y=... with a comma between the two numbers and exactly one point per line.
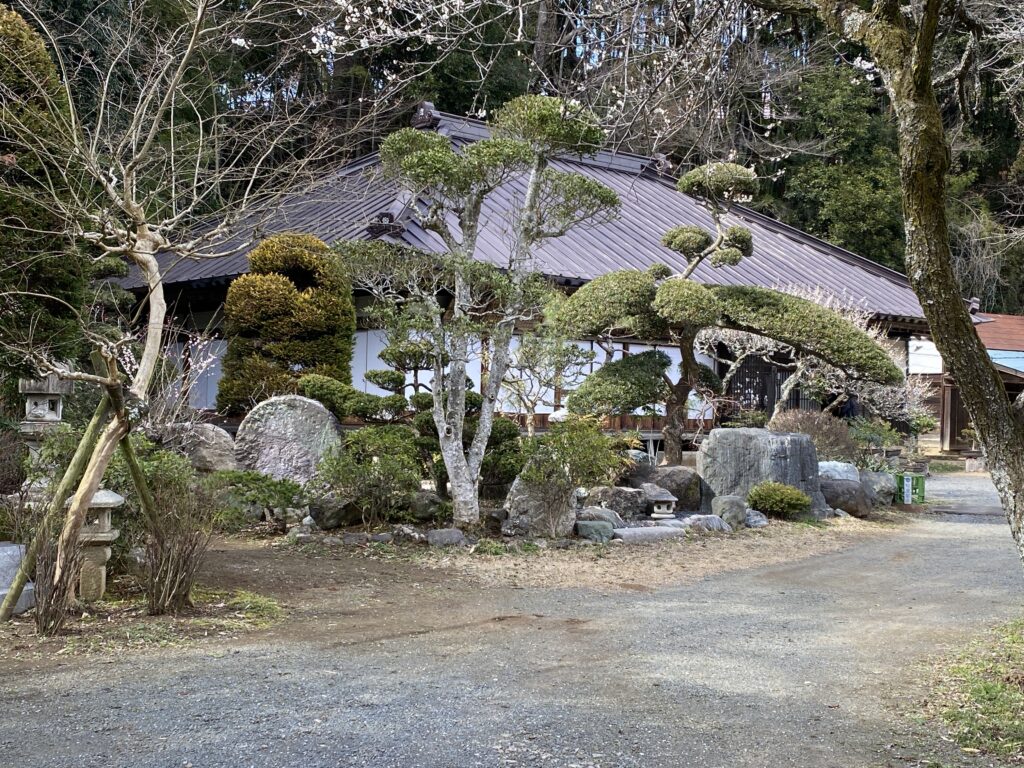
x=784, y=257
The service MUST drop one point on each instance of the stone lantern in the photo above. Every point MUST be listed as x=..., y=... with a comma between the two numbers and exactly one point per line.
x=44, y=407
x=96, y=537
x=661, y=503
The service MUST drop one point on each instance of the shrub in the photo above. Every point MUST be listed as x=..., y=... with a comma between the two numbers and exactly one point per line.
x=755, y=418
x=573, y=453
x=292, y=315
x=243, y=497
x=177, y=538
x=872, y=434
x=336, y=396
x=376, y=470
x=830, y=435
x=779, y=500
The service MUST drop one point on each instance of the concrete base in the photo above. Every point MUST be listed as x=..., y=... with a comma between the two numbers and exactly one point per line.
x=10, y=558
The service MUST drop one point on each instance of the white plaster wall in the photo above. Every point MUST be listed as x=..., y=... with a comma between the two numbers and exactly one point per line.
x=924, y=357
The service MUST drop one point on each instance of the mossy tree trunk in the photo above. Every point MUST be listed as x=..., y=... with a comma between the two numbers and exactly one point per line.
x=903, y=47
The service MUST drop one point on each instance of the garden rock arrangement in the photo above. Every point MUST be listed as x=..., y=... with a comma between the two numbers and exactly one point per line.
x=286, y=437
x=208, y=447
x=855, y=491
x=732, y=461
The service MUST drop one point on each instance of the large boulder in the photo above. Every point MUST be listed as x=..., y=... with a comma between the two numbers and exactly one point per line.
x=732, y=461
x=838, y=470
x=594, y=530
x=286, y=437
x=879, y=487
x=847, y=495
x=681, y=482
x=330, y=511
x=531, y=511
x=732, y=509
x=208, y=447
x=601, y=514
x=628, y=502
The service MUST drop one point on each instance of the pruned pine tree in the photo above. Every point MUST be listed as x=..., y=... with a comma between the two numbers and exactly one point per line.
x=657, y=307
x=461, y=309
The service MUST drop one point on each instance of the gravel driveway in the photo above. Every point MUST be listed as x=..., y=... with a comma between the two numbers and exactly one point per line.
x=789, y=665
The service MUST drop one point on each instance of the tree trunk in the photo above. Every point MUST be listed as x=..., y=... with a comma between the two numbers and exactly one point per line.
x=924, y=162
x=531, y=421
x=677, y=406
x=55, y=508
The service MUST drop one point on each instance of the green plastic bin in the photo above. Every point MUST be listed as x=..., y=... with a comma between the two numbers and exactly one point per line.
x=910, y=488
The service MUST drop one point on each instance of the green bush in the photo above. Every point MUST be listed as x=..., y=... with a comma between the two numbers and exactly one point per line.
x=290, y=317
x=336, y=396
x=873, y=433
x=779, y=500
x=244, y=497
x=755, y=418
x=572, y=454
x=376, y=470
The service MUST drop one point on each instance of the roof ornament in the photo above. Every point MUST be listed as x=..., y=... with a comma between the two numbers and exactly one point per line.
x=426, y=117
x=659, y=164
x=384, y=223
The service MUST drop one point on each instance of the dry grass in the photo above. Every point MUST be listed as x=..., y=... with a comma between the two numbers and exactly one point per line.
x=122, y=624
x=649, y=566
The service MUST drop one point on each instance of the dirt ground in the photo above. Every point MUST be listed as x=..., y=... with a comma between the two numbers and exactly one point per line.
x=795, y=646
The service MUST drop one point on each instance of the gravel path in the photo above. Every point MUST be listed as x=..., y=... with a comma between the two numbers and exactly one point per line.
x=787, y=665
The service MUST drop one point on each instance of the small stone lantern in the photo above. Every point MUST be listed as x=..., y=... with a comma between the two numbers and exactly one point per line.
x=96, y=536
x=44, y=407
x=661, y=503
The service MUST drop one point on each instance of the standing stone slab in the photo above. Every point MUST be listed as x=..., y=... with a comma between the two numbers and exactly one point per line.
x=10, y=558
x=286, y=437
x=732, y=461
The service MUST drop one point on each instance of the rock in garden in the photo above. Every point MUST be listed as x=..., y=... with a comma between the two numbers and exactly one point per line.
x=642, y=470
x=208, y=447
x=533, y=511
x=879, y=487
x=299, y=537
x=10, y=558
x=681, y=482
x=732, y=461
x=382, y=538
x=732, y=509
x=628, y=502
x=446, y=537
x=707, y=523
x=756, y=519
x=648, y=535
x=847, y=495
x=600, y=513
x=406, y=534
x=286, y=437
x=594, y=530
x=329, y=512
x=355, y=539
x=425, y=506
x=838, y=470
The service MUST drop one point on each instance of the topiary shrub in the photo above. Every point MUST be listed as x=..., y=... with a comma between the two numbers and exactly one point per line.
x=290, y=317
x=779, y=500
x=830, y=435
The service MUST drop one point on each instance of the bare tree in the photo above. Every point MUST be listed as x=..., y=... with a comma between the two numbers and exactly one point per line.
x=152, y=150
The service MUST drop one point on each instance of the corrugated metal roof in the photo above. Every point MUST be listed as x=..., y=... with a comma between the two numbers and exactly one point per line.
x=1005, y=332
x=784, y=257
